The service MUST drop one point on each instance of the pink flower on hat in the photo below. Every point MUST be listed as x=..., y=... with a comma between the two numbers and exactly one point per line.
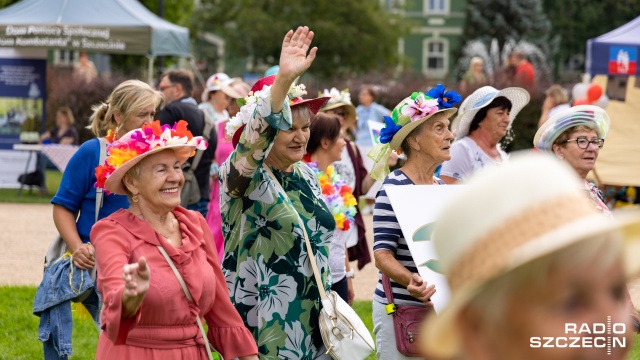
x=420, y=108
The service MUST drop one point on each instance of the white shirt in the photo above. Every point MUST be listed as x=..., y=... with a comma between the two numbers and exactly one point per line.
x=467, y=158
x=344, y=167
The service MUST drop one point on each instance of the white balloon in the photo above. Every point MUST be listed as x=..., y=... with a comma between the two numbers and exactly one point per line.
x=602, y=102
x=579, y=91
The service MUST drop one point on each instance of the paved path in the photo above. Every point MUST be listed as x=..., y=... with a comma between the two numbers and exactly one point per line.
x=27, y=229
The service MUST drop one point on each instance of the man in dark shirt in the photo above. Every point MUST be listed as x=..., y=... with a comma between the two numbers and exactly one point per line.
x=176, y=86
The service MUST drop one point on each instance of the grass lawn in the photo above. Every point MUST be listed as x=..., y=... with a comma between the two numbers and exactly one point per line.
x=19, y=327
x=34, y=196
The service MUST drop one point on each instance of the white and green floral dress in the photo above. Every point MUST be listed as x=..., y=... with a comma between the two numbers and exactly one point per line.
x=267, y=267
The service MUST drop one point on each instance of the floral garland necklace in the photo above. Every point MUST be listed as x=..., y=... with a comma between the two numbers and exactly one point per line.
x=337, y=194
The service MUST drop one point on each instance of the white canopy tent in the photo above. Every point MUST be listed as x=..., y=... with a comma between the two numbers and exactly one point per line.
x=106, y=26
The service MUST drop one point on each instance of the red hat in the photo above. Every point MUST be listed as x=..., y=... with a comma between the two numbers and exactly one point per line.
x=314, y=104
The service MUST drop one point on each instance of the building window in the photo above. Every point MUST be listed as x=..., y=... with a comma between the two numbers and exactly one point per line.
x=435, y=57
x=436, y=6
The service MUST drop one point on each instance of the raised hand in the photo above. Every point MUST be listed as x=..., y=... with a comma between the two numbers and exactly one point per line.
x=294, y=60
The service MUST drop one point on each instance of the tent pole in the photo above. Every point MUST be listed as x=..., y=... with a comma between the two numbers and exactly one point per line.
x=150, y=70
x=192, y=63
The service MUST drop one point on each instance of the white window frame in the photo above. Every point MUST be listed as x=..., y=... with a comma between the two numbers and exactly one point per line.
x=445, y=11
x=425, y=57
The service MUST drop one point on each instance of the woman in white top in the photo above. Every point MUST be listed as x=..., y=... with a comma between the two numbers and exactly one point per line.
x=486, y=116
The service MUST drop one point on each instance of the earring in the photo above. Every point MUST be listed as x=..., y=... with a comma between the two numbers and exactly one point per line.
x=134, y=198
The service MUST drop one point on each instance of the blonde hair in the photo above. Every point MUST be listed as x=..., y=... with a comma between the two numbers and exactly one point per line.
x=476, y=60
x=558, y=94
x=128, y=98
x=67, y=113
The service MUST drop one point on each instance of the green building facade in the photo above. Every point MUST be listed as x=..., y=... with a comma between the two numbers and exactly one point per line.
x=436, y=34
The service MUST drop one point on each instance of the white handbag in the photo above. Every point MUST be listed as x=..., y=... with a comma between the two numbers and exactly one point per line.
x=343, y=332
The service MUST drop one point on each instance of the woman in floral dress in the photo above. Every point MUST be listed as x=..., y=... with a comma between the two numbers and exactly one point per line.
x=267, y=267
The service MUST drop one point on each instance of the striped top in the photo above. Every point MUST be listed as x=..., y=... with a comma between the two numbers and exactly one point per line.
x=387, y=235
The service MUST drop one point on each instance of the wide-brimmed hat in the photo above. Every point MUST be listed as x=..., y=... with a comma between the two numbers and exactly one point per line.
x=220, y=82
x=132, y=147
x=482, y=97
x=340, y=99
x=405, y=117
x=537, y=216
x=588, y=115
x=247, y=104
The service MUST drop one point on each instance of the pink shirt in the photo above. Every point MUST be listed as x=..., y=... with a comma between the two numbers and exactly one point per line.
x=165, y=325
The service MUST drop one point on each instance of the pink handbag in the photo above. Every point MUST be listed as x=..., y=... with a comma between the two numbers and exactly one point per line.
x=407, y=321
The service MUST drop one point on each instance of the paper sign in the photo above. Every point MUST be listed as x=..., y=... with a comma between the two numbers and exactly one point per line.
x=374, y=130
x=417, y=208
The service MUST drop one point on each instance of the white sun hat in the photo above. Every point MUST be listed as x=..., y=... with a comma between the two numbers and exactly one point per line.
x=532, y=215
x=482, y=97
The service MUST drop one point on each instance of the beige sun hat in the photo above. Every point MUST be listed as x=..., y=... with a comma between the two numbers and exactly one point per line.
x=482, y=97
x=537, y=215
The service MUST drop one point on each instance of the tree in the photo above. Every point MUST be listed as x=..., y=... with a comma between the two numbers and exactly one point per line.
x=506, y=20
x=353, y=36
x=576, y=21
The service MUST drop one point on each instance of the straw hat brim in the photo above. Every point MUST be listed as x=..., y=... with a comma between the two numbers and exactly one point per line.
x=399, y=137
x=114, y=184
x=350, y=112
x=441, y=337
x=519, y=98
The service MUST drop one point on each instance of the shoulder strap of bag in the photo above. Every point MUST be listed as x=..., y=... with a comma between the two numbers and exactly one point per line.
x=188, y=294
x=99, y=193
x=386, y=285
x=312, y=258
x=208, y=126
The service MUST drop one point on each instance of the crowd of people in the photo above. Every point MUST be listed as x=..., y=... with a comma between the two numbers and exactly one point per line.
x=272, y=168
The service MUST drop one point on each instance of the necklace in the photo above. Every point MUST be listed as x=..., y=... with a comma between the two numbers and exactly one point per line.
x=172, y=231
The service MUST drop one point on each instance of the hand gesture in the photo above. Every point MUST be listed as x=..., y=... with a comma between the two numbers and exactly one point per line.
x=418, y=289
x=83, y=257
x=294, y=60
x=136, y=278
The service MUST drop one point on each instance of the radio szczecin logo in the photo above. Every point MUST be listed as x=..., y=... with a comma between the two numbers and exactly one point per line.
x=602, y=336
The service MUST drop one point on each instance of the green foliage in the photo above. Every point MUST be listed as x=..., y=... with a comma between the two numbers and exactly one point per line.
x=33, y=195
x=5, y=3
x=576, y=21
x=352, y=36
x=508, y=19
x=19, y=327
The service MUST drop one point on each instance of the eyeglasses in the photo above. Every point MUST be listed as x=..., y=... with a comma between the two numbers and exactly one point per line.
x=583, y=142
x=163, y=88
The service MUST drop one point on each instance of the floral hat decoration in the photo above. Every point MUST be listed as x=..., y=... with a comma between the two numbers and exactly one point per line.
x=588, y=115
x=405, y=117
x=259, y=90
x=337, y=99
x=127, y=151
